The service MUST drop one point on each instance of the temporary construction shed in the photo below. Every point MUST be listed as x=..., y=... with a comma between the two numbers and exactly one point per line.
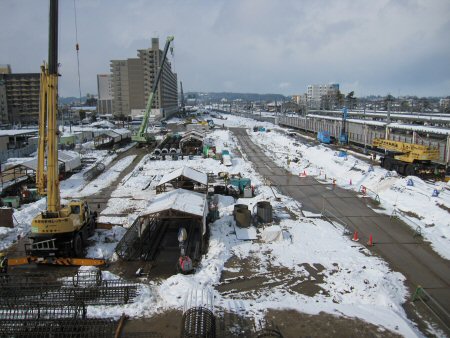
x=191, y=144
x=186, y=178
x=107, y=138
x=154, y=234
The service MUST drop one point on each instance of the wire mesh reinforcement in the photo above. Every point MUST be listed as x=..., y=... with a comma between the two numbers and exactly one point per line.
x=67, y=328
x=198, y=322
x=113, y=292
x=87, y=277
x=39, y=311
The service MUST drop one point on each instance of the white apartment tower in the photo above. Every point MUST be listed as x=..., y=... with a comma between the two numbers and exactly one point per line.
x=104, y=89
x=132, y=82
x=316, y=92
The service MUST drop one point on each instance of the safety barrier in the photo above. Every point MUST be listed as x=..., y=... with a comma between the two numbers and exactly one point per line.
x=332, y=218
x=396, y=213
x=432, y=305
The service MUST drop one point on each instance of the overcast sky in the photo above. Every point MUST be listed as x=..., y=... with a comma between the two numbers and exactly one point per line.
x=264, y=46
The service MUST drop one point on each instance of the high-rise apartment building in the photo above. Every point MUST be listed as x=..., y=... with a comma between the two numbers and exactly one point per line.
x=132, y=82
x=19, y=96
x=317, y=92
x=104, y=90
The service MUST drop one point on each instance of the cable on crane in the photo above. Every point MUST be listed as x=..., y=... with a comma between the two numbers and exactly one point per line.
x=77, y=48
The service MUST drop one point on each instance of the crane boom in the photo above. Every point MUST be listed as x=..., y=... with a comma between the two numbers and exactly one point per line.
x=53, y=198
x=407, y=152
x=41, y=183
x=141, y=134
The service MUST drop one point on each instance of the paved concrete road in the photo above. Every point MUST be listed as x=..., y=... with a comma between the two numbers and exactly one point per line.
x=393, y=239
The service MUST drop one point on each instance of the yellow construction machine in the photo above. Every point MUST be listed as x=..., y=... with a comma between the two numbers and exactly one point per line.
x=410, y=159
x=59, y=230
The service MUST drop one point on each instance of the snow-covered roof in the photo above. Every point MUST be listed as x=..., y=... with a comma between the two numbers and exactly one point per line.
x=188, y=172
x=182, y=200
x=194, y=132
x=425, y=129
x=103, y=124
x=16, y=132
x=191, y=137
x=122, y=131
x=70, y=159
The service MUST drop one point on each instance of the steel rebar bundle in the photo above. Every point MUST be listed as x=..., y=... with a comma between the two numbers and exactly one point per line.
x=67, y=328
x=110, y=292
x=41, y=311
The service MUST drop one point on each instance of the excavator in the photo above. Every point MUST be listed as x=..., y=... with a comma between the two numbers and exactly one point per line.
x=58, y=231
x=142, y=137
x=410, y=159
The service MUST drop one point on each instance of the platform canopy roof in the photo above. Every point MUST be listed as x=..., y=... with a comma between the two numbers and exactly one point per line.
x=181, y=200
x=188, y=172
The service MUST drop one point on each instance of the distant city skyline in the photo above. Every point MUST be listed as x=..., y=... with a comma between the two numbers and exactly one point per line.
x=262, y=46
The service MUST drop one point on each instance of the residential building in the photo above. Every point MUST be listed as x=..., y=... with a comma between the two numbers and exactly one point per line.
x=105, y=97
x=21, y=91
x=132, y=82
x=317, y=93
x=5, y=69
x=444, y=104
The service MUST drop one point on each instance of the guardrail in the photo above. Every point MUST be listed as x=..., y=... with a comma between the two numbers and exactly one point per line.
x=400, y=214
x=432, y=305
x=333, y=218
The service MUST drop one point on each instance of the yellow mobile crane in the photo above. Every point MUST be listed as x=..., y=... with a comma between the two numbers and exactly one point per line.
x=409, y=158
x=59, y=230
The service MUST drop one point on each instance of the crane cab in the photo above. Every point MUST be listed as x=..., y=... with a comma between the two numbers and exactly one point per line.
x=63, y=233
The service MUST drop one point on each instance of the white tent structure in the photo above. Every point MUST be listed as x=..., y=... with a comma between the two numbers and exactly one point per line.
x=184, y=177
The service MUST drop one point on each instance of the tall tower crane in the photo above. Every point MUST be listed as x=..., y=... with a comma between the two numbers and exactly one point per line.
x=59, y=230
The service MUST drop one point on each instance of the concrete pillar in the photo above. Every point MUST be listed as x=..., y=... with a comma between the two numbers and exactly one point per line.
x=447, y=155
x=414, y=137
x=365, y=135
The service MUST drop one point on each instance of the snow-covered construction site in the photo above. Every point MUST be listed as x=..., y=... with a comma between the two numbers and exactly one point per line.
x=237, y=229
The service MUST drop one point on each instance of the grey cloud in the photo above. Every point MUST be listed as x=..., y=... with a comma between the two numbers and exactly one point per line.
x=246, y=45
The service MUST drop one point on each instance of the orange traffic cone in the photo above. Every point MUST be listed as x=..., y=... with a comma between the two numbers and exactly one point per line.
x=355, y=237
x=370, y=242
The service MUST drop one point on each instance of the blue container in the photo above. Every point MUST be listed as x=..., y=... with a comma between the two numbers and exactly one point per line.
x=324, y=137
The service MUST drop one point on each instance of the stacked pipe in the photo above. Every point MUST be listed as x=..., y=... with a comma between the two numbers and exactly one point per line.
x=94, y=172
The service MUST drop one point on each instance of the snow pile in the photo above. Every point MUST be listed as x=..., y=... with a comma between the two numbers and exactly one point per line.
x=106, y=178
x=105, y=242
x=427, y=212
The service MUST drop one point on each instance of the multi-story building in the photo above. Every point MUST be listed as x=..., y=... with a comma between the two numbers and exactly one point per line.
x=104, y=87
x=5, y=69
x=19, y=96
x=318, y=92
x=132, y=82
